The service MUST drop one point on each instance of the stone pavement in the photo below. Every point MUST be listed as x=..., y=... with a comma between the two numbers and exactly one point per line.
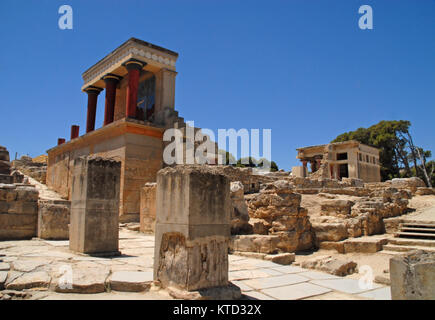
x=43, y=268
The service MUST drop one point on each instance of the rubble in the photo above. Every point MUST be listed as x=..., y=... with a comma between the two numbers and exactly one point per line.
x=36, y=170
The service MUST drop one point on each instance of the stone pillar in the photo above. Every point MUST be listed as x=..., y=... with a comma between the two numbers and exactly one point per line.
x=75, y=130
x=412, y=276
x=95, y=206
x=93, y=93
x=111, y=81
x=165, y=95
x=192, y=228
x=60, y=141
x=134, y=68
x=148, y=207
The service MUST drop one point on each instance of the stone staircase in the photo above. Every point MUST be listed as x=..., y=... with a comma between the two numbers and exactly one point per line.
x=412, y=235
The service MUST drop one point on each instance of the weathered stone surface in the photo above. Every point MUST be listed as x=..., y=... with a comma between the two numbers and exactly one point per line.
x=259, y=226
x=28, y=265
x=95, y=205
x=4, y=266
x=3, y=277
x=229, y=292
x=331, y=265
x=412, y=276
x=412, y=183
x=421, y=191
x=148, y=207
x=192, y=227
x=131, y=281
x=276, y=211
x=336, y=207
x=36, y=170
x=364, y=244
x=39, y=279
x=53, y=219
x=255, y=243
x=18, y=212
x=83, y=280
x=239, y=210
x=281, y=258
x=329, y=231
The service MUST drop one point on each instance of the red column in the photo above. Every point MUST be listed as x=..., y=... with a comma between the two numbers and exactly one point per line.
x=133, y=67
x=111, y=81
x=60, y=141
x=74, y=131
x=93, y=93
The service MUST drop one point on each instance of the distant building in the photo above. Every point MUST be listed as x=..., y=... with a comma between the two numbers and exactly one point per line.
x=349, y=159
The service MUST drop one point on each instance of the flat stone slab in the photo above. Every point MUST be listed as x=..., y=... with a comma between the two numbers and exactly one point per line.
x=314, y=275
x=344, y=285
x=277, y=281
x=4, y=266
x=255, y=295
x=87, y=280
x=252, y=274
x=289, y=269
x=296, y=291
x=131, y=281
x=242, y=286
x=28, y=265
x=30, y=280
x=378, y=294
x=3, y=277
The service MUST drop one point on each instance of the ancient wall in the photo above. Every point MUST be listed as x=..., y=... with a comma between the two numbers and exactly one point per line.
x=18, y=212
x=137, y=147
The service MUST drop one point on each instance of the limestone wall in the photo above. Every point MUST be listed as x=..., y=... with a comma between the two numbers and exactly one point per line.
x=18, y=211
x=137, y=147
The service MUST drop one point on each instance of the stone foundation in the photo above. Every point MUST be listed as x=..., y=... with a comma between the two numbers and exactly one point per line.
x=18, y=212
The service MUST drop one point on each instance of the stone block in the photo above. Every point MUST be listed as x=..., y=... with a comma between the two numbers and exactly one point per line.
x=192, y=228
x=53, y=219
x=23, y=207
x=255, y=243
x=148, y=207
x=95, y=205
x=336, y=207
x=412, y=276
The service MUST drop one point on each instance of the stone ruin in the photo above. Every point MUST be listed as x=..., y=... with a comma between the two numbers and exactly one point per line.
x=35, y=169
x=192, y=232
x=18, y=203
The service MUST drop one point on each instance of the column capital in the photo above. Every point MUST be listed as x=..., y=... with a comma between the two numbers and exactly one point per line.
x=93, y=90
x=134, y=64
x=111, y=77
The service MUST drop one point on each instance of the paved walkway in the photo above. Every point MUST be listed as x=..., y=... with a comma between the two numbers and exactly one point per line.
x=258, y=279
x=427, y=215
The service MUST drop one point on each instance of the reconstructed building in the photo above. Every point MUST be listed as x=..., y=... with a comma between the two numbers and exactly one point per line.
x=139, y=83
x=349, y=159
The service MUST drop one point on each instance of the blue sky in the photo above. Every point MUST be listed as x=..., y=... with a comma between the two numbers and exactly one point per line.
x=301, y=68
